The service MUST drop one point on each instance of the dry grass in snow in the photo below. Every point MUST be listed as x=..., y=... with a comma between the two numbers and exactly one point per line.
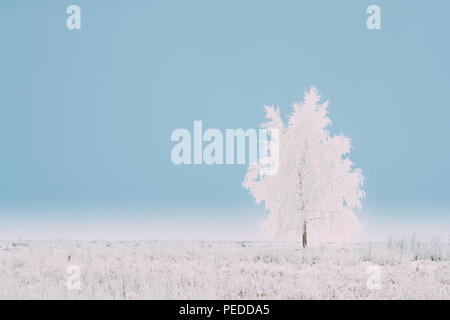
x=408, y=269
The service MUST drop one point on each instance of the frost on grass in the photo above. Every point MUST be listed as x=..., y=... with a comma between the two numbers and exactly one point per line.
x=410, y=269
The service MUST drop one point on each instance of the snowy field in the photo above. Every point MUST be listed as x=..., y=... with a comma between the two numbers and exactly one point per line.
x=404, y=269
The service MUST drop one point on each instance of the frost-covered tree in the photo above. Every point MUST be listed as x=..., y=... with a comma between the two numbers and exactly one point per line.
x=315, y=194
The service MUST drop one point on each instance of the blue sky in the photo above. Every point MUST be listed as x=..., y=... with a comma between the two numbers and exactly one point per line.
x=86, y=115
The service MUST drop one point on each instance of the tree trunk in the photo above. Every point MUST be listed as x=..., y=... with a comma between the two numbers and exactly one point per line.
x=304, y=234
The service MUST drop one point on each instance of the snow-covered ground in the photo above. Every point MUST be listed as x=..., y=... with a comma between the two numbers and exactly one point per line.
x=404, y=269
